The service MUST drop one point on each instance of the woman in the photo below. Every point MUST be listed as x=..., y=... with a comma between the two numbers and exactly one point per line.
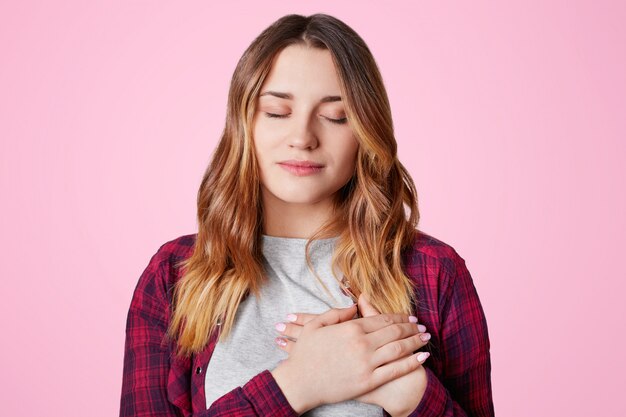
x=306, y=181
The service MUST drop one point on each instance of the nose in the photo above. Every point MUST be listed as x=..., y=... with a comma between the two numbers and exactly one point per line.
x=302, y=134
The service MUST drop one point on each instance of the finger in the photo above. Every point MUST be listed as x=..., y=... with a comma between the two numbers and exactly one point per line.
x=396, y=369
x=300, y=318
x=289, y=330
x=284, y=344
x=397, y=349
x=365, y=307
x=368, y=310
x=333, y=316
x=391, y=333
x=373, y=323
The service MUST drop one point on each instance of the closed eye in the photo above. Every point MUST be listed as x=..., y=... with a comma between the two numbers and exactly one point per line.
x=282, y=116
x=338, y=121
x=276, y=115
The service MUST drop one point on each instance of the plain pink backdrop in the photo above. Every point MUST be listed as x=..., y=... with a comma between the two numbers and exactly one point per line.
x=509, y=115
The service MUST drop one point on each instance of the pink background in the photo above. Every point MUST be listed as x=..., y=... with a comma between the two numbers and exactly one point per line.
x=510, y=117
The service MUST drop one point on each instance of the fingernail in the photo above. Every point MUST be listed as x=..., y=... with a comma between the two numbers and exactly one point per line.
x=421, y=328
x=280, y=326
x=425, y=336
x=422, y=356
x=280, y=341
x=292, y=317
x=413, y=319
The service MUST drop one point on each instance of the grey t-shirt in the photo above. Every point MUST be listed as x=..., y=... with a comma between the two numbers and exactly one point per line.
x=291, y=287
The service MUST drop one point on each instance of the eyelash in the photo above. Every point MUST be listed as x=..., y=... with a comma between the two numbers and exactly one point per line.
x=282, y=116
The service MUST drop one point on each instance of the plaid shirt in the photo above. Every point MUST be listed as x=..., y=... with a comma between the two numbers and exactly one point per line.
x=155, y=383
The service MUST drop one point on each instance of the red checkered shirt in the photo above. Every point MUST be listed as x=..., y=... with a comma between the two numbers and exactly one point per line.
x=155, y=383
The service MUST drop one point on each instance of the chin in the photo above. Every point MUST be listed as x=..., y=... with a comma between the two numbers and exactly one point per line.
x=300, y=199
x=298, y=194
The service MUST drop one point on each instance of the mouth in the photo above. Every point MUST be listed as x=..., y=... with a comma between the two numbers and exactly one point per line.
x=301, y=169
x=302, y=164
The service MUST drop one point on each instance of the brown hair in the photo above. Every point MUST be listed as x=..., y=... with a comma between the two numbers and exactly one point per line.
x=370, y=209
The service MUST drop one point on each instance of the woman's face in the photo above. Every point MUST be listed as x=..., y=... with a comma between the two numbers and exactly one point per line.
x=300, y=117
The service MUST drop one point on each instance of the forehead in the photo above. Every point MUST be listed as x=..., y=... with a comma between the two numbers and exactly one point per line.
x=303, y=71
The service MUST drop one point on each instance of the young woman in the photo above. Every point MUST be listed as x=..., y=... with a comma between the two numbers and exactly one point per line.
x=305, y=210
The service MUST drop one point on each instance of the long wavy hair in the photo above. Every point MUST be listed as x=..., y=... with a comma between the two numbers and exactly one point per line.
x=375, y=212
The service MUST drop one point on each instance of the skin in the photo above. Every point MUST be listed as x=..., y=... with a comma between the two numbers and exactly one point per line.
x=296, y=206
x=398, y=397
x=343, y=358
x=370, y=358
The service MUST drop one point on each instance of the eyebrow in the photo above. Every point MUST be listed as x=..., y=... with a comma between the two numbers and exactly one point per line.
x=289, y=96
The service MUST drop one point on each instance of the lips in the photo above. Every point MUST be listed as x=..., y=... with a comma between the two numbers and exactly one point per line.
x=302, y=164
x=301, y=168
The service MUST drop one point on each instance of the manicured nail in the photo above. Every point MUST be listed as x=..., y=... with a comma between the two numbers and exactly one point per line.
x=280, y=326
x=280, y=341
x=425, y=336
x=413, y=319
x=292, y=317
x=421, y=328
x=422, y=356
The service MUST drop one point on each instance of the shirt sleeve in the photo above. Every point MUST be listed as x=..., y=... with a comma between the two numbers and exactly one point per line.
x=147, y=363
x=465, y=389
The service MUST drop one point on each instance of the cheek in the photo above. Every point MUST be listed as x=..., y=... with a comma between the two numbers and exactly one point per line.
x=348, y=153
x=265, y=136
x=261, y=142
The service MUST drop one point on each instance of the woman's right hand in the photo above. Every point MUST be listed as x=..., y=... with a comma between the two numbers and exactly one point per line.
x=337, y=359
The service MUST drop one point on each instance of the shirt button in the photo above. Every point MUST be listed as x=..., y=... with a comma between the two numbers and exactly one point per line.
x=198, y=370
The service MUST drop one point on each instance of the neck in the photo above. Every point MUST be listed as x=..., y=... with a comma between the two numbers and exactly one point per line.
x=295, y=220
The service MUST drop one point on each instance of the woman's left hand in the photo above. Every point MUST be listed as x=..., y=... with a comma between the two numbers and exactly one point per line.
x=398, y=397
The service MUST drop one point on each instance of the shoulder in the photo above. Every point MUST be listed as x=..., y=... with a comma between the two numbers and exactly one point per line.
x=163, y=270
x=428, y=252
x=169, y=255
x=435, y=268
x=175, y=250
